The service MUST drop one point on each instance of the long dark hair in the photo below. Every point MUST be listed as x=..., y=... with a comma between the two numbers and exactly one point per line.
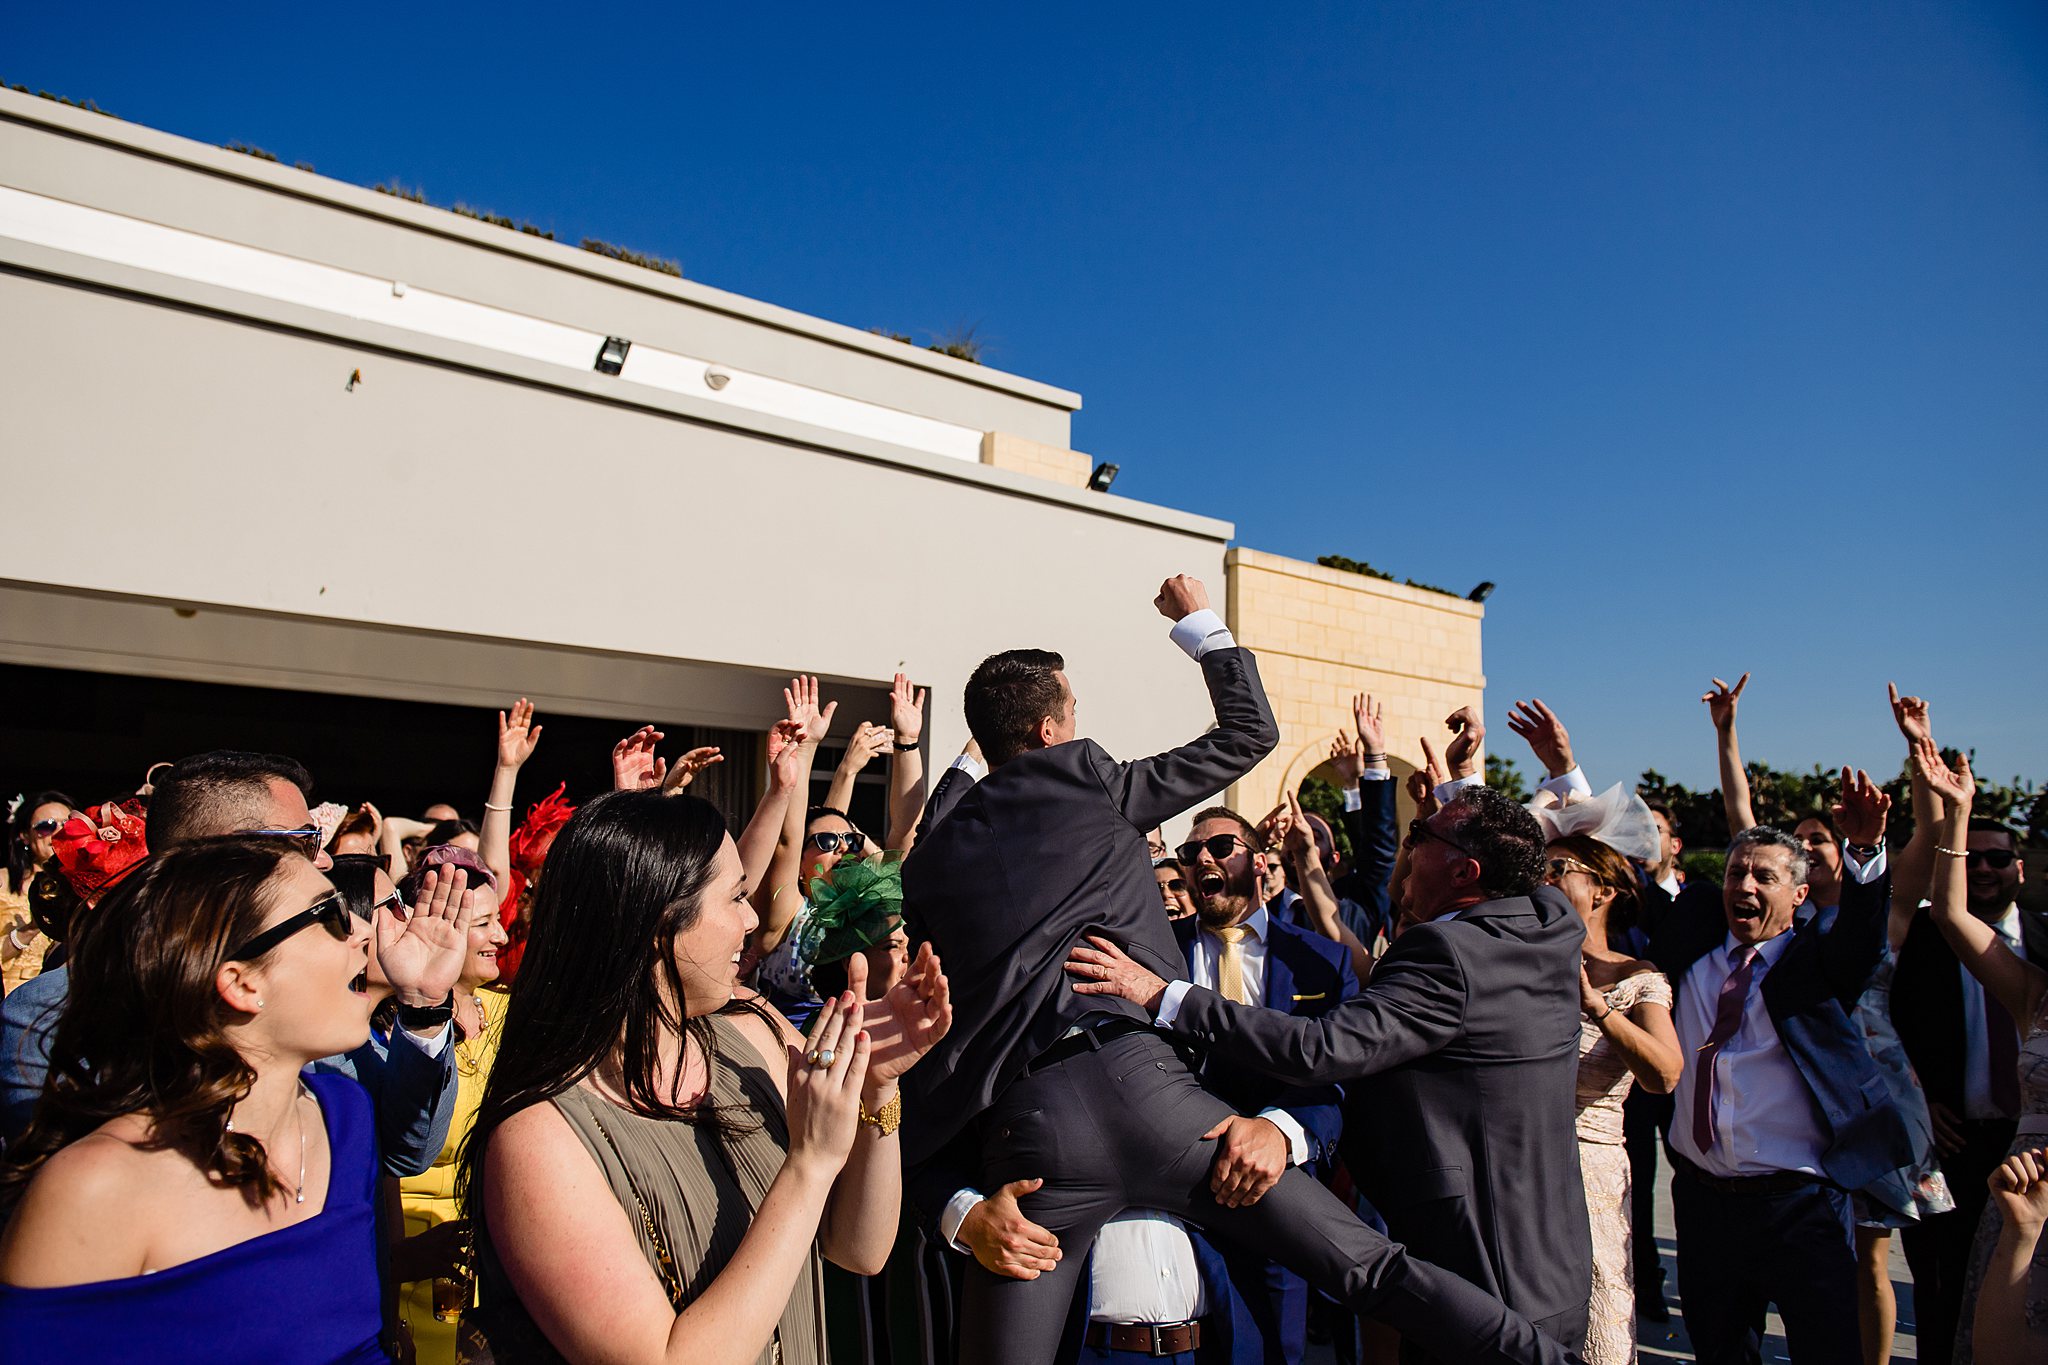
x=19, y=867
x=626, y=875
x=144, y=1030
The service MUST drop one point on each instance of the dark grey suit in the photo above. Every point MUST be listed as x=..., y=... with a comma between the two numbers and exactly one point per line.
x=1459, y=1060
x=1006, y=877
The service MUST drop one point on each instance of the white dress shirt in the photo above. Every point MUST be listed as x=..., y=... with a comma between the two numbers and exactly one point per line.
x=1252, y=951
x=1566, y=786
x=1765, y=1118
x=1977, y=1101
x=1144, y=1271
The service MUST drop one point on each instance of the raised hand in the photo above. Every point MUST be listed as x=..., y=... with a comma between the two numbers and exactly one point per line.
x=906, y=710
x=1432, y=766
x=1539, y=725
x=1956, y=786
x=423, y=955
x=1860, y=814
x=685, y=769
x=635, y=768
x=1181, y=596
x=1372, y=736
x=823, y=1104
x=1298, y=838
x=1467, y=731
x=1910, y=715
x=2019, y=1187
x=868, y=740
x=517, y=734
x=1421, y=790
x=1102, y=968
x=915, y=1014
x=785, y=752
x=1721, y=702
x=801, y=699
x=1251, y=1156
x=1347, y=758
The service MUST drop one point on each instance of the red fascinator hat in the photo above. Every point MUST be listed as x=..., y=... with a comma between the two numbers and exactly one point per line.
x=98, y=847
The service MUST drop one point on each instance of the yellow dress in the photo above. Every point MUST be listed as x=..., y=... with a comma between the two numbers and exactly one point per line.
x=429, y=1198
x=26, y=964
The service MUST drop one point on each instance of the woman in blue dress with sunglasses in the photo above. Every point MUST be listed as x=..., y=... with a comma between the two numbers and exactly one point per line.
x=189, y=1194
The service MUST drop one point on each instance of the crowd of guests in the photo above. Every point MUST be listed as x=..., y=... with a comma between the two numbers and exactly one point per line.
x=285, y=1081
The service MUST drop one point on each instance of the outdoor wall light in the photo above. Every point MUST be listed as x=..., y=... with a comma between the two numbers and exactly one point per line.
x=611, y=357
x=1480, y=593
x=716, y=378
x=1103, y=477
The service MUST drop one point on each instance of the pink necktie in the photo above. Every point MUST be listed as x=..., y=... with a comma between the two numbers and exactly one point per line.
x=1727, y=1018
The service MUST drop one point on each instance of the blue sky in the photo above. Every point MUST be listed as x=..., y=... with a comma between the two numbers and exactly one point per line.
x=1716, y=335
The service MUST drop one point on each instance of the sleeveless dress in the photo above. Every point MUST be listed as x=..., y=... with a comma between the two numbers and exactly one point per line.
x=2033, y=1132
x=302, y=1293
x=429, y=1198
x=1604, y=1081
x=700, y=1188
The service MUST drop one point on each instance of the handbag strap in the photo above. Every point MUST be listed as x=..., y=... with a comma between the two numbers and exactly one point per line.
x=665, y=1265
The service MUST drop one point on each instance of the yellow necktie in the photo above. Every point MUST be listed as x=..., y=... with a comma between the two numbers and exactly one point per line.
x=1230, y=964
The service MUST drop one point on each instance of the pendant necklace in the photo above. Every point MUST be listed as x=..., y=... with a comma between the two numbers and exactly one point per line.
x=299, y=1191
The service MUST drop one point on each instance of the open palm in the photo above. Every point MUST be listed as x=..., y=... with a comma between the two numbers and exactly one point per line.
x=422, y=957
x=903, y=1025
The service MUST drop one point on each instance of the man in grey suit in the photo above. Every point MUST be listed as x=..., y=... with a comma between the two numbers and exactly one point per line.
x=1035, y=1082
x=1458, y=1060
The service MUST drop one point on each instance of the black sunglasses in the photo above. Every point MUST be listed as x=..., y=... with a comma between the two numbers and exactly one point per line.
x=43, y=829
x=1419, y=833
x=831, y=841
x=2000, y=858
x=306, y=838
x=1175, y=884
x=380, y=861
x=330, y=912
x=1220, y=846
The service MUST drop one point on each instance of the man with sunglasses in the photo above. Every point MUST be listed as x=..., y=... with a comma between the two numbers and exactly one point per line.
x=1965, y=1049
x=1070, y=1108
x=411, y=1081
x=1459, y=1060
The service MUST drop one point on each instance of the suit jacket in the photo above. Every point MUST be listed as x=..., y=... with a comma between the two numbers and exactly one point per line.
x=1308, y=975
x=1459, y=1060
x=1375, y=843
x=1811, y=997
x=1927, y=1003
x=413, y=1094
x=1010, y=872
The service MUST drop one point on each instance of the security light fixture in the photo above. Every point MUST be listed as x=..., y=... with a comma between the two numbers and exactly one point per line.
x=1480, y=593
x=1103, y=477
x=611, y=357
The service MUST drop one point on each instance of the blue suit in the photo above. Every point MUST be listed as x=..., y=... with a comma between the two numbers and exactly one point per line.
x=1307, y=975
x=413, y=1094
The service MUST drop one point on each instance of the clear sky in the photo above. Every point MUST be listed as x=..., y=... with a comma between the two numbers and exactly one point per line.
x=1715, y=334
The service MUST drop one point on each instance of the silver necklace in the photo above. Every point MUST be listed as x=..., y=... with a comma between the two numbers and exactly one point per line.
x=298, y=1191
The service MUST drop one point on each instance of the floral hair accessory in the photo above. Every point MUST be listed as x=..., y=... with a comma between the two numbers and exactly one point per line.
x=328, y=815
x=98, y=847
x=859, y=907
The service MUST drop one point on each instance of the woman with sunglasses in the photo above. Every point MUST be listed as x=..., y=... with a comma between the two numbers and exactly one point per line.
x=1625, y=1038
x=190, y=1193
x=829, y=838
x=32, y=834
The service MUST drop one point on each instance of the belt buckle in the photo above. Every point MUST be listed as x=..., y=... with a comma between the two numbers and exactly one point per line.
x=1158, y=1338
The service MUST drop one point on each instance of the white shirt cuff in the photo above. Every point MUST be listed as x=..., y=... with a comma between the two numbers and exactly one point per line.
x=1297, y=1136
x=1566, y=785
x=1352, y=800
x=1865, y=873
x=1201, y=631
x=954, y=1214
x=431, y=1046
x=1376, y=775
x=1446, y=792
x=1169, y=1003
x=966, y=764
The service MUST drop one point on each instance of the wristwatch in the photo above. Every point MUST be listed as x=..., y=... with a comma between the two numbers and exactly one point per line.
x=906, y=746
x=416, y=1018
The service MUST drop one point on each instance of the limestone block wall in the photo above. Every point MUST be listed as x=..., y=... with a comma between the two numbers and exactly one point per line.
x=1322, y=635
x=1023, y=456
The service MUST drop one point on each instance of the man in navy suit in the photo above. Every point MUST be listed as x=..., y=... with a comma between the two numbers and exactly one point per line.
x=1235, y=946
x=1780, y=1112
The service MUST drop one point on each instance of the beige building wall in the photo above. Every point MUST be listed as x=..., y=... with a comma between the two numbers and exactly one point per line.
x=1323, y=635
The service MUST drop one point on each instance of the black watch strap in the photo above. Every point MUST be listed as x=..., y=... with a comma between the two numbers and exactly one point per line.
x=908, y=748
x=419, y=1017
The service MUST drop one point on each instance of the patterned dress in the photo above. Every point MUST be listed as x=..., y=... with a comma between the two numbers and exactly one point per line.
x=1604, y=1081
x=2033, y=1132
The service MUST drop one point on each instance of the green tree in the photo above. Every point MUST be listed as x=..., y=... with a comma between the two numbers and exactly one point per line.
x=1504, y=777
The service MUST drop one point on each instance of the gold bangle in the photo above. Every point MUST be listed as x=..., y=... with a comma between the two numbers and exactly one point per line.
x=888, y=1119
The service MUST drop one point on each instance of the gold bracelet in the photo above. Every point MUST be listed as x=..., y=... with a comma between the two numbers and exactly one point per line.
x=888, y=1119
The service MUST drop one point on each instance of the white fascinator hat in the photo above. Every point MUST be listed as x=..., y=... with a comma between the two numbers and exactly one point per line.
x=1616, y=817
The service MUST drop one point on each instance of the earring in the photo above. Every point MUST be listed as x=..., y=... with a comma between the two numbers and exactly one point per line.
x=259, y=1002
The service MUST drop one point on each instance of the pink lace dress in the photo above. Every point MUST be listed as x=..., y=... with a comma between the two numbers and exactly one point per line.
x=1604, y=1081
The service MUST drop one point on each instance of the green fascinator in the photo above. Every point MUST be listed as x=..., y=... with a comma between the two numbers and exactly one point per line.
x=859, y=907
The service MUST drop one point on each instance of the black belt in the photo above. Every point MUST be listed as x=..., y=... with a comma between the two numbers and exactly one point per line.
x=1086, y=1037
x=1777, y=1182
x=1147, y=1338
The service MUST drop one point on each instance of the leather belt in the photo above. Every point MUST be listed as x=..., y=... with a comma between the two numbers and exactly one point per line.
x=1777, y=1182
x=1086, y=1037
x=1146, y=1338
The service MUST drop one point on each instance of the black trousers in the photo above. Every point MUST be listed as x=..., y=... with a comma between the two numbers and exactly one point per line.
x=1121, y=1127
x=1740, y=1253
x=1938, y=1248
x=1645, y=1118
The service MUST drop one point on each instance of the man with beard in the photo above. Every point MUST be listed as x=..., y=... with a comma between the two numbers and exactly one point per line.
x=1965, y=1048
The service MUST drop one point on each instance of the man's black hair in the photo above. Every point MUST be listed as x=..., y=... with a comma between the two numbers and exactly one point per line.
x=1009, y=694
x=197, y=796
x=1502, y=837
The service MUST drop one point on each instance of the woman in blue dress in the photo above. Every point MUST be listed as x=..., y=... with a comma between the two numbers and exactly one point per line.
x=189, y=1195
